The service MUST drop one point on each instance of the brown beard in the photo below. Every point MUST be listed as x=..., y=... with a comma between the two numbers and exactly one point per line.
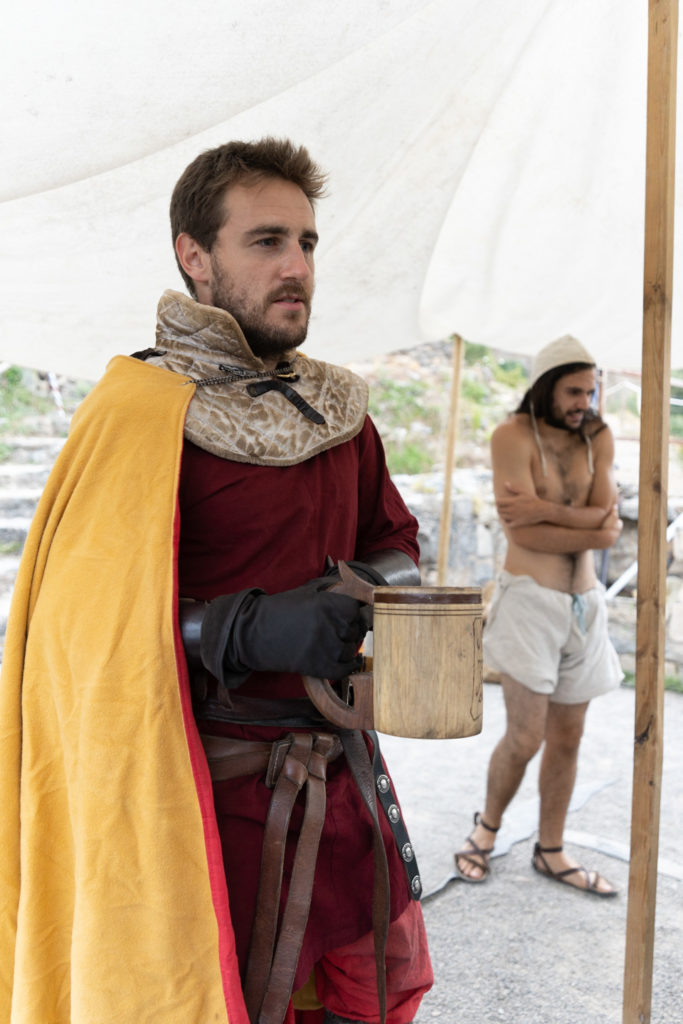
x=561, y=425
x=270, y=341
x=264, y=340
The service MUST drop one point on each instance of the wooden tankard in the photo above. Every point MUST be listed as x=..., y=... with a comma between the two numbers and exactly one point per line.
x=426, y=672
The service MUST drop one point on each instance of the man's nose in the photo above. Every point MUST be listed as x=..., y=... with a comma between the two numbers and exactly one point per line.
x=295, y=264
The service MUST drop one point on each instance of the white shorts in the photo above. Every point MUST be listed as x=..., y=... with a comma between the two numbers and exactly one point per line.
x=551, y=642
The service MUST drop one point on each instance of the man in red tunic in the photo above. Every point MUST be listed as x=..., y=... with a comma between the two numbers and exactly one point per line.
x=283, y=475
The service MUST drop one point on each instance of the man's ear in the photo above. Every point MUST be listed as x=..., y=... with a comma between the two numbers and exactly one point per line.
x=193, y=258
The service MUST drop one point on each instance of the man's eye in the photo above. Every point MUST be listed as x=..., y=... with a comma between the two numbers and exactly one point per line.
x=307, y=247
x=267, y=242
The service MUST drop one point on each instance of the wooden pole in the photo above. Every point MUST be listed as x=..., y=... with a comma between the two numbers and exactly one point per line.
x=650, y=628
x=453, y=413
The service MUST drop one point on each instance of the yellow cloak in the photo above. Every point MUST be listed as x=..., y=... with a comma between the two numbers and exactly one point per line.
x=113, y=906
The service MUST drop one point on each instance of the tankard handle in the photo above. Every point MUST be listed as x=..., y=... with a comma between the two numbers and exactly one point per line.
x=346, y=715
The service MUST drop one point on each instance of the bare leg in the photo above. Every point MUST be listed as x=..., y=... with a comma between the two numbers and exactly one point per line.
x=526, y=722
x=564, y=729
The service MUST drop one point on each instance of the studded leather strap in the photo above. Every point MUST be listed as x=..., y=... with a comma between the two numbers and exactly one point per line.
x=361, y=769
x=387, y=799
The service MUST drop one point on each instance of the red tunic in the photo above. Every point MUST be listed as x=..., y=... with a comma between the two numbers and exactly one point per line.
x=270, y=527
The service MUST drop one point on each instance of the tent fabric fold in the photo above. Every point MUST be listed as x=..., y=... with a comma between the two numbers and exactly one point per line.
x=113, y=906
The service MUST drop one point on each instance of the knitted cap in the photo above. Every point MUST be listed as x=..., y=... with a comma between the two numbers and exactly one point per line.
x=562, y=352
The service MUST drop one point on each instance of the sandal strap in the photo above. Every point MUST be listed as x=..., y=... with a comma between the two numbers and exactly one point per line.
x=473, y=854
x=478, y=820
x=540, y=850
x=474, y=850
x=592, y=879
x=470, y=855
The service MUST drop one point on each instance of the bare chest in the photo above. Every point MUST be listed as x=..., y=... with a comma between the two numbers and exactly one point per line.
x=563, y=475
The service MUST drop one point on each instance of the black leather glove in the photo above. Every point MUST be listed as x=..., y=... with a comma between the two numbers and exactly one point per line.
x=307, y=630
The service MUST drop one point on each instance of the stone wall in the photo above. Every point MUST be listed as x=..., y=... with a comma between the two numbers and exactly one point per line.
x=477, y=544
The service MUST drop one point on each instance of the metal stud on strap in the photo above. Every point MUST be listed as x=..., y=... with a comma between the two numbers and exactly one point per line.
x=390, y=807
x=382, y=783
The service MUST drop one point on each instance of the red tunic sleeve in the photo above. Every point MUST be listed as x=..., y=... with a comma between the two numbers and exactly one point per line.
x=383, y=518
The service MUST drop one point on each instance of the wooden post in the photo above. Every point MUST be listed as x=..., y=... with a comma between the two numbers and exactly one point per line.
x=453, y=412
x=650, y=629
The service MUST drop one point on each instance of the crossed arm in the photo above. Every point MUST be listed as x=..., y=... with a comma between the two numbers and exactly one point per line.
x=548, y=526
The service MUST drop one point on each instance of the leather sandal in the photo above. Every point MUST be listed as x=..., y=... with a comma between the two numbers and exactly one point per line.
x=475, y=854
x=591, y=878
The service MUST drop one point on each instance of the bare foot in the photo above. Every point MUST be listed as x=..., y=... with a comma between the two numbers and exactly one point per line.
x=554, y=863
x=472, y=861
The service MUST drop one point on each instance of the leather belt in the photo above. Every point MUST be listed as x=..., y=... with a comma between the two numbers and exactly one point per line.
x=291, y=713
x=289, y=764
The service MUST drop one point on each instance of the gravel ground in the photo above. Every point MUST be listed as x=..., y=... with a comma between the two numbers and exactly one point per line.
x=521, y=949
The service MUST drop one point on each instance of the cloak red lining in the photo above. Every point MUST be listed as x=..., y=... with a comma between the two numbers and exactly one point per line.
x=114, y=906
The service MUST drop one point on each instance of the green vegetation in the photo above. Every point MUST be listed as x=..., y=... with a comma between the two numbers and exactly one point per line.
x=474, y=390
x=475, y=420
x=512, y=374
x=408, y=458
x=17, y=399
x=674, y=683
x=409, y=423
x=409, y=401
x=476, y=354
x=26, y=397
x=11, y=547
x=398, y=403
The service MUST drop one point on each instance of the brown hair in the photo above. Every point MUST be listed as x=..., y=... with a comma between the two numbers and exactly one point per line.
x=197, y=201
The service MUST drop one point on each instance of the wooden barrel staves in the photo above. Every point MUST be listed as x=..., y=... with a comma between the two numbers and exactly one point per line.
x=427, y=661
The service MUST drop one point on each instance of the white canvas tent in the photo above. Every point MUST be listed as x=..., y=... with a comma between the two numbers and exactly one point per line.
x=487, y=166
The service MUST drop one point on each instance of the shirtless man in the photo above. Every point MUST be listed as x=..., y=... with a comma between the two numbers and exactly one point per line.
x=546, y=632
